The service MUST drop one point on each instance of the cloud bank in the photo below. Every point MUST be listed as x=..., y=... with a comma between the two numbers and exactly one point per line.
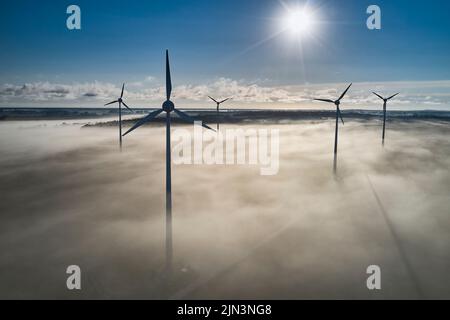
x=148, y=93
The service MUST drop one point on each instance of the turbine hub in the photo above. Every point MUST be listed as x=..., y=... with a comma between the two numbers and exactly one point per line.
x=120, y=99
x=168, y=106
x=337, y=102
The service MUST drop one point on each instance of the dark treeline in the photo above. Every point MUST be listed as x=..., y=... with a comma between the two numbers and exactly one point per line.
x=225, y=116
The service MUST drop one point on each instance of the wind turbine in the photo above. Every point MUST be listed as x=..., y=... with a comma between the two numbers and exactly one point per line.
x=168, y=106
x=120, y=102
x=338, y=115
x=385, y=100
x=217, y=105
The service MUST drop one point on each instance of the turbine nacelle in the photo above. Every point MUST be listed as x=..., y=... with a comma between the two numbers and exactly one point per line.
x=168, y=106
x=219, y=102
x=120, y=100
x=385, y=100
x=337, y=103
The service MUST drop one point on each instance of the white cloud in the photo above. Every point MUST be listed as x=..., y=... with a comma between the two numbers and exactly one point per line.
x=413, y=94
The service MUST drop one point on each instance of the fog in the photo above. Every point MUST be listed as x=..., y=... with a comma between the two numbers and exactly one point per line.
x=70, y=197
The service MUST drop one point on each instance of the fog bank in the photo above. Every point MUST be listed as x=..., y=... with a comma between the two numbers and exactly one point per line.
x=70, y=197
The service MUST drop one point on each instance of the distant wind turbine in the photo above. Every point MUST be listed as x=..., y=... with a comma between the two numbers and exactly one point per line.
x=385, y=100
x=120, y=102
x=338, y=115
x=217, y=105
x=168, y=106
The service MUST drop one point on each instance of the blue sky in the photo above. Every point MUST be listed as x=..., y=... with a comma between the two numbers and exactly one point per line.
x=220, y=42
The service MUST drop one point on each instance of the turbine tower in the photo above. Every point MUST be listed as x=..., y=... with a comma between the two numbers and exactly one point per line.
x=338, y=115
x=167, y=107
x=385, y=100
x=120, y=102
x=217, y=105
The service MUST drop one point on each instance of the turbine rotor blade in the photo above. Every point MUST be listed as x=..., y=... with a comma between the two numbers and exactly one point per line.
x=213, y=99
x=378, y=95
x=189, y=119
x=342, y=95
x=168, y=79
x=147, y=118
x=127, y=106
x=123, y=87
x=340, y=115
x=324, y=100
x=393, y=96
x=111, y=102
x=225, y=100
x=204, y=125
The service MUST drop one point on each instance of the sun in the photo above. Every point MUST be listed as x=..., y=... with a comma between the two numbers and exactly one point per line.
x=299, y=21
